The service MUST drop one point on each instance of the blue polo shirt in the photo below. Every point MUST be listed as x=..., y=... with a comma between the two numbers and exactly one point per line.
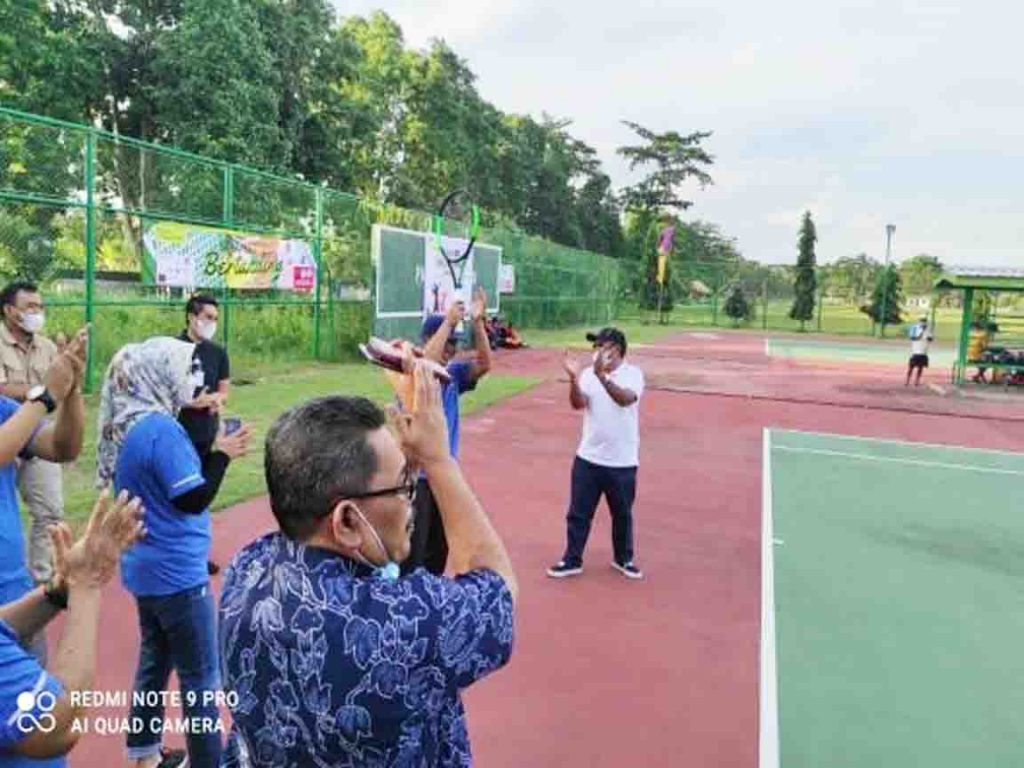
x=15, y=580
x=20, y=673
x=327, y=659
x=158, y=463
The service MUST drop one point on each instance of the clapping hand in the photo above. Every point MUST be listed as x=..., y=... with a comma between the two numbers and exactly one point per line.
x=114, y=526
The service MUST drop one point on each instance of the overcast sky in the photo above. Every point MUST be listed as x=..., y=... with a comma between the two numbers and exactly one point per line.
x=868, y=113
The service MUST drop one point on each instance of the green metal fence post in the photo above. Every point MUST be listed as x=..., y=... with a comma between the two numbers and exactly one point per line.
x=228, y=217
x=228, y=212
x=225, y=294
x=317, y=256
x=965, y=332
x=764, y=305
x=821, y=292
x=90, y=253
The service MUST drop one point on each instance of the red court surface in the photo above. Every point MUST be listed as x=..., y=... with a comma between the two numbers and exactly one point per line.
x=609, y=672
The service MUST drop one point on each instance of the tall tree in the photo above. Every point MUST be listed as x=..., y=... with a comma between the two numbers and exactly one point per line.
x=671, y=161
x=676, y=159
x=217, y=94
x=885, y=307
x=805, y=285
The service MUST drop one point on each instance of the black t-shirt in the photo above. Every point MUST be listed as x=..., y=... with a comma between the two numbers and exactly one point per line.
x=202, y=425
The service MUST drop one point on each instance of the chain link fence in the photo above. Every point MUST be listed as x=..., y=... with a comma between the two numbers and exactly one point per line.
x=77, y=204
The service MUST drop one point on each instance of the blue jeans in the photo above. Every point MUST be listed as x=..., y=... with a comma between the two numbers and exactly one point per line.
x=589, y=482
x=178, y=632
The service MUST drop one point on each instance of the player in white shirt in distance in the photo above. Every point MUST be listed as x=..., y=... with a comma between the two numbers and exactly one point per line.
x=920, y=337
x=608, y=392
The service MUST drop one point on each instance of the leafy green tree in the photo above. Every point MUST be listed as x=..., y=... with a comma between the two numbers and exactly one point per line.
x=920, y=273
x=885, y=307
x=805, y=284
x=676, y=159
x=852, y=278
x=736, y=305
x=217, y=93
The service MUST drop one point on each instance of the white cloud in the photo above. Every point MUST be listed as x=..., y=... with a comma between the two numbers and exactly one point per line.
x=864, y=112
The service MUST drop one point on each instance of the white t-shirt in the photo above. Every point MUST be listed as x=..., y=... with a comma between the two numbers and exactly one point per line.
x=919, y=340
x=611, y=432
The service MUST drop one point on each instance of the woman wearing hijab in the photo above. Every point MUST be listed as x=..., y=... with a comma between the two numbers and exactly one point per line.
x=144, y=450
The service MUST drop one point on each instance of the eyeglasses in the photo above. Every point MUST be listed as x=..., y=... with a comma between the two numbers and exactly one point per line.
x=407, y=489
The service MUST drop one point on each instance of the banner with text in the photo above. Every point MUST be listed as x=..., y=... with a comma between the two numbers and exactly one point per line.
x=189, y=256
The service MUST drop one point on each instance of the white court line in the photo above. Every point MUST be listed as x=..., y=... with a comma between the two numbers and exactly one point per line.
x=897, y=460
x=937, y=388
x=862, y=439
x=768, y=687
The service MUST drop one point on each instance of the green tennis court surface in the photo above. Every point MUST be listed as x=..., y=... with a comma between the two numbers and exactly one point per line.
x=892, y=604
x=852, y=351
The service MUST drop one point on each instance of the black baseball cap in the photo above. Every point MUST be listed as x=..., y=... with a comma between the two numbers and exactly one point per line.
x=609, y=334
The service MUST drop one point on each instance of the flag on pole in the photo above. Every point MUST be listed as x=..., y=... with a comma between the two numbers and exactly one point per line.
x=666, y=242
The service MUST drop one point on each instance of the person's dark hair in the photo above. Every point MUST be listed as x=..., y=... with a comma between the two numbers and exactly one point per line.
x=9, y=295
x=196, y=303
x=315, y=453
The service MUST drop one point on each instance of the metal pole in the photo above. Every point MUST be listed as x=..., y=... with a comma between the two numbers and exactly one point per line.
x=889, y=230
x=821, y=292
x=317, y=256
x=228, y=216
x=965, y=332
x=90, y=253
x=764, y=305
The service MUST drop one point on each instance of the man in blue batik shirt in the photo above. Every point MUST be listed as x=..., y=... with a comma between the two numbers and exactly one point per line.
x=440, y=337
x=329, y=656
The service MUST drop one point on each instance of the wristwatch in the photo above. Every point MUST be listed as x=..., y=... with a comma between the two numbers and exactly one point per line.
x=39, y=394
x=56, y=596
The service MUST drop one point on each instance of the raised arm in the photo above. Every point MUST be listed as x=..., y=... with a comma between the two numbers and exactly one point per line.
x=434, y=350
x=472, y=541
x=577, y=399
x=481, y=343
x=82, y=570
x=61, y=439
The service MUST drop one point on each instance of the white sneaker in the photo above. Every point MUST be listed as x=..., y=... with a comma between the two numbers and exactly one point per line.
x=628, y=570
x=560, y=570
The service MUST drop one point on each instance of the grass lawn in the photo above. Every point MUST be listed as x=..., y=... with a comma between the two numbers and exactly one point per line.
x=259, y=403
x=637, y=332
x=642, y=328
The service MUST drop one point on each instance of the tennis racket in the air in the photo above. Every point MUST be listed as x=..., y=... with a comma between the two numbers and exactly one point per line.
x=458, y=208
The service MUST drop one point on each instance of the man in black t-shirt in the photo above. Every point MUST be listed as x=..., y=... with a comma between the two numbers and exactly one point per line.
x=200, y=418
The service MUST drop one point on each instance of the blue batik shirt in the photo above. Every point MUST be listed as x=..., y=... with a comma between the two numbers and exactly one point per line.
x=333, y=666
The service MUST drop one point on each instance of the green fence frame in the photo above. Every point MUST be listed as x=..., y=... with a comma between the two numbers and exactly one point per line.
x=543, y=267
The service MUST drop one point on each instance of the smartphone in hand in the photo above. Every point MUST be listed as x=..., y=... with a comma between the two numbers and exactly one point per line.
x=231, y=425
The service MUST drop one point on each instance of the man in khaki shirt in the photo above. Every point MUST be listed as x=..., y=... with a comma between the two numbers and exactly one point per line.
x=25, y=355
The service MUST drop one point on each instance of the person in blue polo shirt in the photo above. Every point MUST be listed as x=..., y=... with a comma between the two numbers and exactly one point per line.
x=38, y=709
x=144, y=450
x=25, y=433
x=440, y=336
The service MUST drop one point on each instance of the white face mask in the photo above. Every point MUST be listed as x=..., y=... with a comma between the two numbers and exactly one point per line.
x=206, y=330
x=390, y=570
x=32, y=322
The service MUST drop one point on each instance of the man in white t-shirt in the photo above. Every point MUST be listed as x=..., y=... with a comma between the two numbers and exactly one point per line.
x=609, y=395
x=920, y=337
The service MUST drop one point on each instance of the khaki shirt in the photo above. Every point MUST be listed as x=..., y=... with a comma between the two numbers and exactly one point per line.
x=24, y=365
